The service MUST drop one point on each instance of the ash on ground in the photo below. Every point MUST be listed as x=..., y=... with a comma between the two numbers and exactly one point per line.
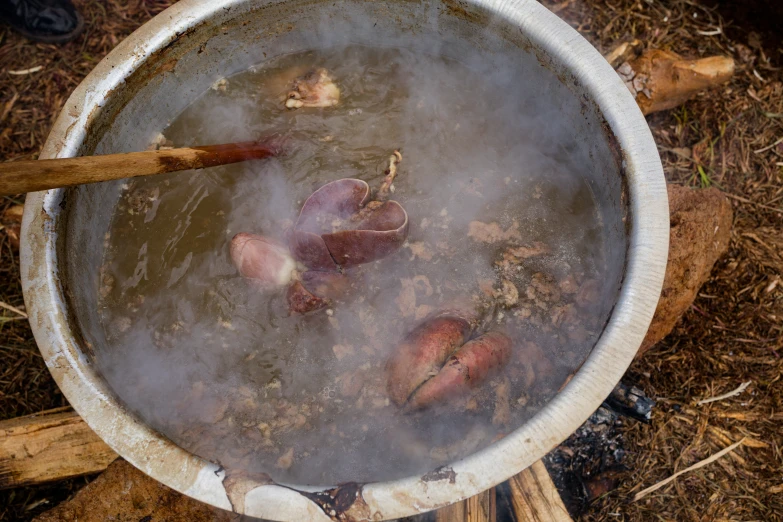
x=589, y=463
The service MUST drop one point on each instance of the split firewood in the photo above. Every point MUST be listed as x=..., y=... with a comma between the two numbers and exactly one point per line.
x=661, y=80
x=478, y=508
x=535, y=498
x=58, y=444
x=49, y=446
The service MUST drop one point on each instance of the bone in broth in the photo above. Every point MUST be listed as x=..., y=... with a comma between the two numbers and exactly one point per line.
x=411, y=323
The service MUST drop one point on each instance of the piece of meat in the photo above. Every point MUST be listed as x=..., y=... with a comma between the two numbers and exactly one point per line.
x=262, y=259
x=339, y=226
x=422, y=354
x=329, y=285
x=464, y=370
x=314, y=89
x=302, y=301
x=502, y=413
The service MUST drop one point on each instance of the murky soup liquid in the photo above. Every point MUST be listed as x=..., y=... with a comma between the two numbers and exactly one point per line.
x=223, y=370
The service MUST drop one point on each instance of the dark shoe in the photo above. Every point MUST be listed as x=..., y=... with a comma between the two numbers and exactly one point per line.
x=48, y=21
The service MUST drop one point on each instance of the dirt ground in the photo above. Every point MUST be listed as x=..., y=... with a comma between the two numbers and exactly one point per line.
x=29, y=104
x=728, y=138
x=733, y=333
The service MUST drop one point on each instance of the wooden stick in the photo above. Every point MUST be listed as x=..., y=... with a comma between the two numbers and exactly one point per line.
x=535, y=498
x=479, y=508
x=49, y=446
x=18, y=177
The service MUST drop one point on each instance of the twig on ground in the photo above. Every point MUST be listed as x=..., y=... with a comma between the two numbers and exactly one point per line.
x=714, y=32
x=8, y=106
x=768, y=147
x=4, y=320
x=26, y=71
x=748, y=201
x=701, y=464
x=13, y=309
x=741, y=388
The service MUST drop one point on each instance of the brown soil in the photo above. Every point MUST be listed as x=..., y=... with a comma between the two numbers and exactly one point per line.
x=753, y=21
x=29, y=105
x=700, y=222
x=730, y=335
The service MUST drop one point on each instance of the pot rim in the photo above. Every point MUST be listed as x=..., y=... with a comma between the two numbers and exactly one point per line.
x=164, y=461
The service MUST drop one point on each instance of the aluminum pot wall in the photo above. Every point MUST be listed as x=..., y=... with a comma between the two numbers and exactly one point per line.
x=150, y=78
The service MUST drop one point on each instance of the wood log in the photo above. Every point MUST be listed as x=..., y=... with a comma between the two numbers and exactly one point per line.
x=661, y=80
x=478, y=508
x=535, y=498
x=49, y=446
x=532, y=495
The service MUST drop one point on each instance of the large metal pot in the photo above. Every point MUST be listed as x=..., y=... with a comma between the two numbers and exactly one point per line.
x=149, y=78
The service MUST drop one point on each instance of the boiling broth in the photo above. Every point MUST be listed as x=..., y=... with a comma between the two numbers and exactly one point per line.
x=221, y=367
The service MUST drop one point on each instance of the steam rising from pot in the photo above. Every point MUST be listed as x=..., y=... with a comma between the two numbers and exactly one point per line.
x=501, y=218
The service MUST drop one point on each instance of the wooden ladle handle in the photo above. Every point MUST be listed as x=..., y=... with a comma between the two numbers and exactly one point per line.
x=19, y=177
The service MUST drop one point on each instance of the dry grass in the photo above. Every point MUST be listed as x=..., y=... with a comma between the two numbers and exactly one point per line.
x=733, y=332
x=29, y=104
x=731, y=335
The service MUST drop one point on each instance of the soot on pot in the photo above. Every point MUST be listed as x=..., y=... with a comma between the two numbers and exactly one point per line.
x=502, y=224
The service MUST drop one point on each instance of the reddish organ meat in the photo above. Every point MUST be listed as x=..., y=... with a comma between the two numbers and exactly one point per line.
x=262, y=259
x=316, y=290
x=422, y=354
x=338, y=227
x=468, y=367
x=301, y=300
x=329, y=285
